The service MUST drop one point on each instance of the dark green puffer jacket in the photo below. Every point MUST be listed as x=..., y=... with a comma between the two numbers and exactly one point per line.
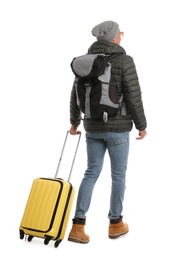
x=125, y=75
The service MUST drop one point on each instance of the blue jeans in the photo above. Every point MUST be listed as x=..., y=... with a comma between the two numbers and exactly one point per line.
x=117, y=145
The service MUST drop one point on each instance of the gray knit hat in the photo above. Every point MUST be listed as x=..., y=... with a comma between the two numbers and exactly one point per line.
x=107, y=30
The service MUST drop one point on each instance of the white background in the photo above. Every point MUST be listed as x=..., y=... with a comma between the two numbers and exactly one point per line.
x=38, y=40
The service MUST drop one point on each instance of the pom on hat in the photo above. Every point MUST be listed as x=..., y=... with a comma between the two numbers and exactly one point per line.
x=107, y=30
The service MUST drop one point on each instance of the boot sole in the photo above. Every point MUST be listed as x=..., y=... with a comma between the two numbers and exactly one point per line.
x=77, y=240
x=117, y=235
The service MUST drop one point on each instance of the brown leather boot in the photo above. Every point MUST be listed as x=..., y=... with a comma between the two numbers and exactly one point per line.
x=77, y=233
x=116, y=229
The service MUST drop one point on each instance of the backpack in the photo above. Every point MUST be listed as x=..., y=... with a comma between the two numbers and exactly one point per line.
x=97, y=95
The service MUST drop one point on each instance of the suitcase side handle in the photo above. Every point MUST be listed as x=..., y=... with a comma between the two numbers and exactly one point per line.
x=61, y=155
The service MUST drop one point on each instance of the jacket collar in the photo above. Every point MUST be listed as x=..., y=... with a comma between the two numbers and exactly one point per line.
x=103, y=46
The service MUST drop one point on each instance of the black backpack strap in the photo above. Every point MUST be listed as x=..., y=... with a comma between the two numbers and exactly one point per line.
x=123, y=106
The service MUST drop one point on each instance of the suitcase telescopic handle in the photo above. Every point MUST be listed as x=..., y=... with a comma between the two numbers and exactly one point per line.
x=72, y=165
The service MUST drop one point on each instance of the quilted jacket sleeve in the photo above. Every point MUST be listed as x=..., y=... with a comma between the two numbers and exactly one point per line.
x=132, y=93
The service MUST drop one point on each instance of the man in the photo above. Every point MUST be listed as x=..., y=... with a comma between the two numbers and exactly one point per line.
x=112, y=136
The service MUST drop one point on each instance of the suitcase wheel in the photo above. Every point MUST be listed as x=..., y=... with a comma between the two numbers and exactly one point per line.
x=30, y=238
x=47, y=240
x=57, y=242
x=21, y=234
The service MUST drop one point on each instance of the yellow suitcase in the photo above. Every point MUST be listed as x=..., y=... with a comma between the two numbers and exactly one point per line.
x=48, y=206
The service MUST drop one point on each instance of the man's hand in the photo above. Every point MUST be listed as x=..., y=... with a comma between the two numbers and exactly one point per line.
x=74, y=131
x=142, y=134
